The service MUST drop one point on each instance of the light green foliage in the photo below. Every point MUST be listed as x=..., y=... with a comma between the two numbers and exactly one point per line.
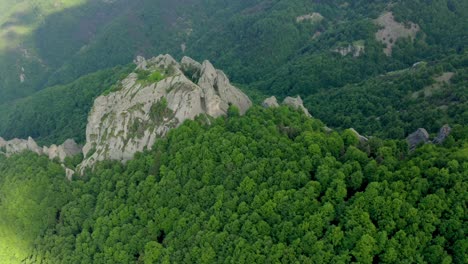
x=246, y=190
x=32, y=193
x=155, y=77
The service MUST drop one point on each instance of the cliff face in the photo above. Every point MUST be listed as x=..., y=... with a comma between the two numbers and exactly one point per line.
x=160, y=95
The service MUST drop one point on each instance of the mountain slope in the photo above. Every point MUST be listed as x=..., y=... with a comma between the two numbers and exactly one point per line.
x=251, y=39
x=270, y=186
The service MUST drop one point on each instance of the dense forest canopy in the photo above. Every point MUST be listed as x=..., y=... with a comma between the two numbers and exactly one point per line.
x=268, y=187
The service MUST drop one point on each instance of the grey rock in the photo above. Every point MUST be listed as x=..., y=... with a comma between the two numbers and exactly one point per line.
x=68, y=149
x=444, y=132
x=132, y=119
x=418, y=137
x=69, y=173
x=140, y=62
x=297, y=104
x=361, y=138
x=191, y=68
x=16, y=146
x=270, y=102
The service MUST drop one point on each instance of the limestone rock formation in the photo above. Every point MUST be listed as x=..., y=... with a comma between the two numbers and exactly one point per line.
x=270, y=102
x=297, y=104
x=145, y=108
x=68, y=172
x=418, y=137
x=444, y=132
x=68, y=149
x=16, y=146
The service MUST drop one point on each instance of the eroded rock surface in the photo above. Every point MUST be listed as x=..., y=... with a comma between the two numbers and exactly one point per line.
x=420, y=136
x=270, y=102
x=444, y=132
x=68, y=149
x=296, y=102
x=144, y=109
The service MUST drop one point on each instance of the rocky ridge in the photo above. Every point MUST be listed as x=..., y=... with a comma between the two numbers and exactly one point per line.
x=68, y=149
x=294, y=102
x=420, y=136
x=160, y=95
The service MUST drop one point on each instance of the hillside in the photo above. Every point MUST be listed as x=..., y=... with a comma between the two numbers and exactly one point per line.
x=270, y=186
x=52, y=42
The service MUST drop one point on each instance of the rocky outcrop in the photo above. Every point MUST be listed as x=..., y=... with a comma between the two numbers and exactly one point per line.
x=270, y=102
x=68, y=172
x=444, y=132
x=312, y=18
x=362, y=139
x=144, y=109
x=420, y=136
x=68, y=149
x=356, y=49
x=16, y=146
x=294, y=102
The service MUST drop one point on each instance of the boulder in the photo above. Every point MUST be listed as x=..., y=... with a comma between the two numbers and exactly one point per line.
x=32, y=146
x=270, y=102
x=140, y=62
x=70, y=148
x=190, y=67
x=420, y=136
x=444, y=132
x=297, y=104
x=68, y=172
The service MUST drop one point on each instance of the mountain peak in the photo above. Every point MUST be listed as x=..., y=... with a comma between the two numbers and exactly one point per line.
x=159, y=95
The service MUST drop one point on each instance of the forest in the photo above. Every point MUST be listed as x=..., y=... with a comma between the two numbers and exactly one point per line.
x=271, y=186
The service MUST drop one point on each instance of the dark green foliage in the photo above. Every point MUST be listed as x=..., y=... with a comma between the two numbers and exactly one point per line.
x=247, y=190
x=396, y=104
x=159, y=111
x=254, y=41
x=57, y=113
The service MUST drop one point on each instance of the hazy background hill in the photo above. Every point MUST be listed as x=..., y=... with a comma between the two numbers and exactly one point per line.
x=268, y=47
